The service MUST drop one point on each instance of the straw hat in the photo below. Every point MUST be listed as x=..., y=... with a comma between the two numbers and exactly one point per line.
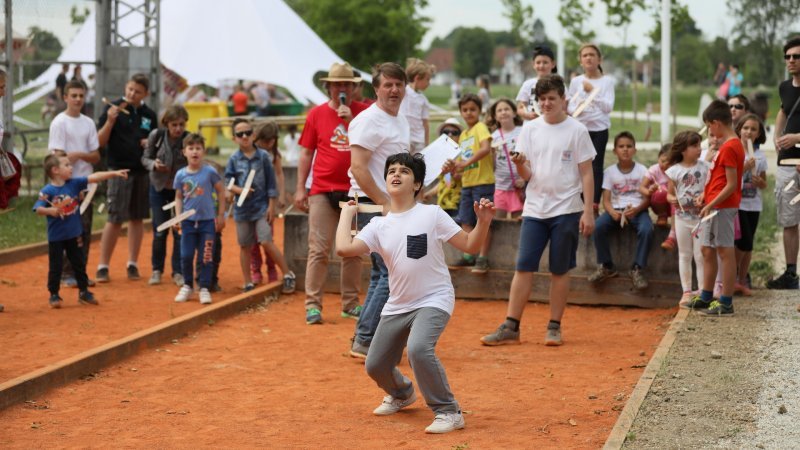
x=452, y=122
x=341, y=72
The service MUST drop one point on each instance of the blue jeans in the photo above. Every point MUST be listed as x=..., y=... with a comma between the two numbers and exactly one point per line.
x=198, y=236
x=377, y=293
x=157, y=200
x=644, y=236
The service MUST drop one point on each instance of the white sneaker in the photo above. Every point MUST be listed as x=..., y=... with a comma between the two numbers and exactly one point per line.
x=184, y=294
x=205, y=297
x=391, y=405
x=155, y=278
x=445, y=423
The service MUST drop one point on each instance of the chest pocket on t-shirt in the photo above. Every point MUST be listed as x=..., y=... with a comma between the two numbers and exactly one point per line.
x=417, y=246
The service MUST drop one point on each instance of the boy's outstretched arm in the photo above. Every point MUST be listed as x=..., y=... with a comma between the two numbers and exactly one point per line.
x=345, y=244
x=100, y=176
x=219, y=221
x=471, y=242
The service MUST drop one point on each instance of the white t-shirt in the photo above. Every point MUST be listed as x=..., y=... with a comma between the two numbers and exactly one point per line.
x=596, y=116
x=690, y=182
x=415, y=108
x=382, y=134
x=410, y=244
x=526, y=96
x=74, y=134
x=624, y=187
x=503, y=168
x=554, y=152
x=751, y=195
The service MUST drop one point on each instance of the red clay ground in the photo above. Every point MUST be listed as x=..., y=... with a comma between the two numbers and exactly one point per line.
x=265, y=379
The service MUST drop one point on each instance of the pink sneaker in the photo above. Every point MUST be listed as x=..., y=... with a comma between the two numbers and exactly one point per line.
x=669, y=243
x=256, y=277
x=686, y=298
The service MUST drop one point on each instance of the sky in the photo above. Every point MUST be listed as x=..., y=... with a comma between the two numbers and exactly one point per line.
x=712, y=18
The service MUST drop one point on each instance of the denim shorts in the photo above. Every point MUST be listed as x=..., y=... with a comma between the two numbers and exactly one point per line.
x=562, y=234
x=466, y=215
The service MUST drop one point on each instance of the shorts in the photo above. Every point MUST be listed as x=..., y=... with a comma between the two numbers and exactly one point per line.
x=748, y=223
x=466, y=215
x=129, y=199
x=562, y=234
x=788, y=215
x=719, y=231
x=508, y=200
x=250, y=232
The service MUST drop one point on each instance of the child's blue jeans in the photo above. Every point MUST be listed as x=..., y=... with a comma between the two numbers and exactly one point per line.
x=197, y=237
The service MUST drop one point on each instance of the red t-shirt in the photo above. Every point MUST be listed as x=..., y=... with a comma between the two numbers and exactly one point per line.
x=730, y=154
x=239, y=103
x=326, y=134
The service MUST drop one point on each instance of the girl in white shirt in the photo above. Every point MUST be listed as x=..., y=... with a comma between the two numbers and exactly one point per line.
x=596, y=116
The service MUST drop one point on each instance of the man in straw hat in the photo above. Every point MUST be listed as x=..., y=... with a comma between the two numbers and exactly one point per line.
x=325, y=141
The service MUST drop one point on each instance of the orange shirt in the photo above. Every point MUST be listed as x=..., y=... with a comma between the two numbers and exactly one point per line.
x=730, y=154
x=239, y=103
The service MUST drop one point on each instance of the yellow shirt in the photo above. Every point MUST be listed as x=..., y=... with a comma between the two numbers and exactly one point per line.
x=482, y=171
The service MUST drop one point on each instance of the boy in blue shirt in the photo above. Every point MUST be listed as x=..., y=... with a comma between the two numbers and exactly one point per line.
x=193, y=186
x=254, y=217
x=60, y=202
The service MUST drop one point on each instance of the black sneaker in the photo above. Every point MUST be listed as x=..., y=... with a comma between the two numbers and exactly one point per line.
x=718, y=309
x=481, y=265
x=248, y=287
x=55, y=301
x=698, y=303
x=216, y=288
x=102, y=275
x=133, y=273
x=787, y=280
x=87, y=298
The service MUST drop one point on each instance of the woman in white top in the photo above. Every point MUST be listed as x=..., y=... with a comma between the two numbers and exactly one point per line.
x=544, y=63
x=596, y=116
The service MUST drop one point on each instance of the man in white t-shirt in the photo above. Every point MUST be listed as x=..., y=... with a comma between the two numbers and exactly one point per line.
x=375, y=134
x=554, y=154
x=76, y=134
x=422, y=297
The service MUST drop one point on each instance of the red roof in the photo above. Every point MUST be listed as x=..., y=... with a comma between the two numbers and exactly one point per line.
x=442, y=58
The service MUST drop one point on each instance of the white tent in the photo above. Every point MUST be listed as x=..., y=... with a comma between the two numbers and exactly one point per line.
x=206, y=41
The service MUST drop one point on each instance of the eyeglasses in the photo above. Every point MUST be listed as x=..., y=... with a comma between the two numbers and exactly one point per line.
x=736, y=106
x=793, y=56
x=241, y=134
x=451, y=132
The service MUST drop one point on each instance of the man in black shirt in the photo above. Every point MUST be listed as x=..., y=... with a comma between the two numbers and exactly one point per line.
x=787, y=136
x=123, y=130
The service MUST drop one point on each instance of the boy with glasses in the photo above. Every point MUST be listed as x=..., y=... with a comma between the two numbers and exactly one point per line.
x=254, y=217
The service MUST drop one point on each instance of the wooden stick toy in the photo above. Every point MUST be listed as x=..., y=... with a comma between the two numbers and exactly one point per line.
x=588, y=101
x=168, y=206
x=247, y=184
x=122, y=110
x=788, y=186
x=175, y=220
x=87, y=200
x=795, y=200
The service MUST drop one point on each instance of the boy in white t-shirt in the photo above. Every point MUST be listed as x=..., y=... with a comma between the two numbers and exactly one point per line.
x=415, y=106
x=421, y=300
x=623, y=201
x=554, y=154
x=76, y=134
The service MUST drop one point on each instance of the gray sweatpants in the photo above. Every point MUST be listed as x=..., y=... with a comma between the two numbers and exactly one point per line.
x=421, y=329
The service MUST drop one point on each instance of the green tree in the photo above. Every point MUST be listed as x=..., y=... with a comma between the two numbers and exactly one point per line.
x=760, y=31
x=521, y=18
x=573, y=16
x=77, y=18
x=473, y=51
x=367, y=32
x=46, y=46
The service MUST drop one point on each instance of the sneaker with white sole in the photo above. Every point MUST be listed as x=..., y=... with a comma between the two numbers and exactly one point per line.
x=288, y=283
x=504, y=335
x=184, y=294
x=155, y=278
x=445, y=423
x=391, y=405
x=178, y=280
x=553, y=336
x=205, y=297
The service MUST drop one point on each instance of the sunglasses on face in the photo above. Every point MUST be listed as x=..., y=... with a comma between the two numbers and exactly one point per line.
x=793, y=56
x=451, y=132
x=241, y=134
x=736, y=106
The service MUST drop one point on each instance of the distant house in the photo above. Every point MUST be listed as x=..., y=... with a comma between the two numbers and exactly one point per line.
x=443, y=59
x=508, y=66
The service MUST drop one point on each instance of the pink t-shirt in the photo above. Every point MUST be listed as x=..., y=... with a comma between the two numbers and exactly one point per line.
x=656, y=174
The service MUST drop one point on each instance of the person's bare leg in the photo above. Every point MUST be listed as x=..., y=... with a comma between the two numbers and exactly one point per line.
x=244, y=261
x=559, y=290
x=709, y=268
x=275, y=254
x=791, y=244
x=135, y=236
x=521, y=286
x=108, y=241
x=727, y=256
